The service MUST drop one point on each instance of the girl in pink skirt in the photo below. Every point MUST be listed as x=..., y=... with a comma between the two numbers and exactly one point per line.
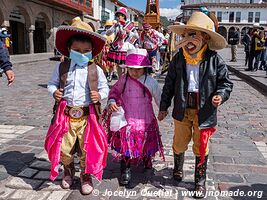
x=137, y=136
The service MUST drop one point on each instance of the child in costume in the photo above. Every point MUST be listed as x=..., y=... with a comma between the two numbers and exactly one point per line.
x=77, y=86
x=140, y=138
x=198, y=80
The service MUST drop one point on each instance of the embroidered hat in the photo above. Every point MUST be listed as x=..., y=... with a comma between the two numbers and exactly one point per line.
x=201, y=22
x=123, y=11
x=78, y=27
x=137, y=58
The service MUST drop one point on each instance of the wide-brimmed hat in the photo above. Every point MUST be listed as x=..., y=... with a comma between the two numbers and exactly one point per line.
x=123, y=11
x=201, y=22
x=137, y=58
x=3, y=33
x=146, y=26
x=109, y=23
x=78, y=27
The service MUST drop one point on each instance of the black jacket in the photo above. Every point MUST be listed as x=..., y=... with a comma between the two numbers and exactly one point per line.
x=213, y=80
x=233, y=38
x=246, y=41
x=5, y=63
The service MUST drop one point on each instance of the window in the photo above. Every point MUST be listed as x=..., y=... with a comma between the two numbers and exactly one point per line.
x=88, y=3
x=251, y=1
x=116, y=8
x=81, y=2
x=238, y=17
x=131, y=18
x=219, y=16
x=105, y=15
x=103, y=4
x=250, y=16
x=257, y=17
x=231, y=16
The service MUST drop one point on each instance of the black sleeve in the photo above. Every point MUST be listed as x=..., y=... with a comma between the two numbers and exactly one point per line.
x=168, y=88
x=5, y=63
x=224, y=85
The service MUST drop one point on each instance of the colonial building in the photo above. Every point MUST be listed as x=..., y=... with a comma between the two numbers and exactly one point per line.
x=240, y=14
x=106, y=9
x=32, y=23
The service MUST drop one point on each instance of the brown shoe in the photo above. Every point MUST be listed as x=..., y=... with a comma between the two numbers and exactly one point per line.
x=86, y=183
x=69, y=172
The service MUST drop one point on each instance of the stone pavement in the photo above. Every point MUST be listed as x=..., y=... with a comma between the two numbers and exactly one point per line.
x=237, y=161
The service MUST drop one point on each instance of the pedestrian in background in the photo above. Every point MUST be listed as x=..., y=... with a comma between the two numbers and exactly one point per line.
x=246, y=42
x=77, y=85
x=5, y=64
x=233, y=40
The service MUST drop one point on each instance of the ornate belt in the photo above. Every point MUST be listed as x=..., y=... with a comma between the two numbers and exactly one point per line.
x=76, y=112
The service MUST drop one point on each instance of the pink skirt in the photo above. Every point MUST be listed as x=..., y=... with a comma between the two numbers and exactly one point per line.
x=118, y=57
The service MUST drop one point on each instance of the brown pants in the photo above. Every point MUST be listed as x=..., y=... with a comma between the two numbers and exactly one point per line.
x=184, y=131
x=234, y=51
x=74, y=135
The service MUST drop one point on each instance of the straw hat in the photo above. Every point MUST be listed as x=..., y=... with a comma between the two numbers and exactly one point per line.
x=109, y=23
x=78, y=27
x=137, y=58
x=201, y=22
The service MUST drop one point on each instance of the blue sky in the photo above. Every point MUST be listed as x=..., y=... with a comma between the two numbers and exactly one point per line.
x=168, y=8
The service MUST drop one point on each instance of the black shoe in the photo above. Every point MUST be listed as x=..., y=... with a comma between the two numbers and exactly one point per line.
x=178, y=173
x=254, y=70
x=248, y=69
x=125, y=172
x=200, y=178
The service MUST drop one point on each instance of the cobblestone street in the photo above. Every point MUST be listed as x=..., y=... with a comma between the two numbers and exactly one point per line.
x=237, y=160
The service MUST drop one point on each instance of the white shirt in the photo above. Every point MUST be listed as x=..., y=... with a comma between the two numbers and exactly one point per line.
x=192, y=72
x=76, y=91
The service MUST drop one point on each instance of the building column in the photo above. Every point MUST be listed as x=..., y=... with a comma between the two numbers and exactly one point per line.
x=31, y=30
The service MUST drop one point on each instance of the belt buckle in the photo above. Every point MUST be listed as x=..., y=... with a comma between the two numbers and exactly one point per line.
x=76, y=112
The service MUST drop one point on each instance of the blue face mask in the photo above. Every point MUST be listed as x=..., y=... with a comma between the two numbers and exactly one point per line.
x=80, y=59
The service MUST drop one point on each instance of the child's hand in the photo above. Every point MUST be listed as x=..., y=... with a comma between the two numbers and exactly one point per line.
x=10, y=77
x=95, y=96
x=113, y=107
x=216, y=100
x=162, y=115
x=58, y=95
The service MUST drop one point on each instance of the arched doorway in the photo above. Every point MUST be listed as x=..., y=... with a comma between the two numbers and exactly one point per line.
x=222, y=30
x=1, y=17
x=39, y=36
x=18, y=19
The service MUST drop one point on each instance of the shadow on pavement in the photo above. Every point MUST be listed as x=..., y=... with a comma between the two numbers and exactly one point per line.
x=15, y=161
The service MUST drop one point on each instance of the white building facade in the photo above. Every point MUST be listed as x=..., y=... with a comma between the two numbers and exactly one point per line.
x=239, y=14
x=106, y=9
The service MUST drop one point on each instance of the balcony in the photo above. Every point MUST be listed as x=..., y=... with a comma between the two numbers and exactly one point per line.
x=74, y=5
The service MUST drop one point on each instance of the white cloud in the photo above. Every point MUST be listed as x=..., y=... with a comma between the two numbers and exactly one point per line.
x=170, y=13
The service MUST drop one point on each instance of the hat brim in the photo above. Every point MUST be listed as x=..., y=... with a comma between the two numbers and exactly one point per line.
x=216, y=41
x=135, y=66
x=4, y=35
x=64, y=33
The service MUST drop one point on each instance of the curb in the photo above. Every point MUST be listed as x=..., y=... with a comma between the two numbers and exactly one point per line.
x=262, y=88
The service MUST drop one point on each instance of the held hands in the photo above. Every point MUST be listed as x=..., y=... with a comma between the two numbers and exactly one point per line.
x=58, y=95
x=113, y=107
x=162, y=115
x=95, y=96
x=216, y=100
x=10, y=77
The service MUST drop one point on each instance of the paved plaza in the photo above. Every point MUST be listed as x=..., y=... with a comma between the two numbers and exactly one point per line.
x=238, y=150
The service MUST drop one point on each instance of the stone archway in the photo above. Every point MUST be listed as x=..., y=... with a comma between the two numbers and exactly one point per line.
x=223, y=31
x=41, y=33
x=19, y=22
x=1, y=17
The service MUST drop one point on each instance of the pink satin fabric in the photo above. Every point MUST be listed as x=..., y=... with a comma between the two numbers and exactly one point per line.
x=95, y=143
x=137, y=60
